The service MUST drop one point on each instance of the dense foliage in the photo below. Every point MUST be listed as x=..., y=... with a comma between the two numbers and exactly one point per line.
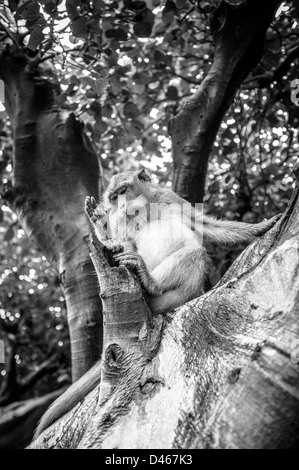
x=124, y=67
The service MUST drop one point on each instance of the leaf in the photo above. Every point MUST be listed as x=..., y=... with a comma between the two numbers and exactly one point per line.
x=137, y=128
x=107, y=111
x=135, y=5
x=207, y=6
x=160, y=57
x=21, y=8
x=235, y=3
x=79, y=27
x=143, y=23
x=50, y=7
x=115, y=86
x=142, y=30
x=60, y=100
x=73, y=39
x=98, y=5
x=150, y=145
x=75, y=80
x=152, y=4
x=168, y=12
x=130, y=110
x=181, y=4
x=136, y=88
x=31, y=13
x=9, y=234
x=96, y=108
x=100, y=127
x=13, y=4
x=296, y=5
x=71, y=9
x=142, y=78
x=72, y=106
x=120, y=34
x=36, y=38
x=123, y=70
x=112, y=55
x=172, y=93
x=106, y=24
x=91, y=94
x=101, y=85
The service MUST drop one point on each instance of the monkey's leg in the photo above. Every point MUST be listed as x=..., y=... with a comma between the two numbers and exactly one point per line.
x=173, y=282
x=182, y=276
x=134, y=261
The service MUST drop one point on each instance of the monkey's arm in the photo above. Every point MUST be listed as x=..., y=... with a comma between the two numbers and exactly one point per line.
x=176, y=280
x=73, y=395
x=99, y=220
x=134, y=261
x=232, y=232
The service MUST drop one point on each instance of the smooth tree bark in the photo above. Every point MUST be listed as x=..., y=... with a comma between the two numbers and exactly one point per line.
x=54, y=170
x=239, y=36
x=220, y=372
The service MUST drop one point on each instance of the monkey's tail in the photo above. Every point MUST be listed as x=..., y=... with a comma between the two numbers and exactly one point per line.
x=73, y=395
x=231, y=232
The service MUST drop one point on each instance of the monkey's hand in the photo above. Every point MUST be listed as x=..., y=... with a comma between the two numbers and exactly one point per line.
x=96, y=214
x=92, y=209
x=134, y=262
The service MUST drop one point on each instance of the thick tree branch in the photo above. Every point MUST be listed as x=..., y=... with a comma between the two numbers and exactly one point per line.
x=19, y=420
x=220, y=374
x=14, y=391
x=267, y=79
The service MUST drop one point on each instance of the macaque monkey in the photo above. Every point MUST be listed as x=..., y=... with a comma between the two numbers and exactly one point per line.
x=159, y=236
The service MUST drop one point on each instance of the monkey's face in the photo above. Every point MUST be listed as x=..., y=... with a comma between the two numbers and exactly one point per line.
x=126, y=191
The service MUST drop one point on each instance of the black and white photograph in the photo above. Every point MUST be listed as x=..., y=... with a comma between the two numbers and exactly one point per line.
x=149, y=227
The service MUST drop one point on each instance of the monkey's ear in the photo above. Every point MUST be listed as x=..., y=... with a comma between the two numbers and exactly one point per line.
x=144, y=176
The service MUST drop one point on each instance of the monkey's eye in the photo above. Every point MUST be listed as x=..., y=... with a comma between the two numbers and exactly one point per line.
x=123, y=190
x=114, y=197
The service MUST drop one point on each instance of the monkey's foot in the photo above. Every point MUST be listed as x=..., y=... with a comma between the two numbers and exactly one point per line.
x=134, y=262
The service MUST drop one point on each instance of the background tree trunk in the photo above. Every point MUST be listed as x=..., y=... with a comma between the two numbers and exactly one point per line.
x=222, y=372
x=18, y=420
x=54, y=170
x=239, y=34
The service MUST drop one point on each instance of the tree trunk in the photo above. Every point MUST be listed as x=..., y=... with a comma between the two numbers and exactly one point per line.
x=239, y=34
x=53, y=172
x=220, y=372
